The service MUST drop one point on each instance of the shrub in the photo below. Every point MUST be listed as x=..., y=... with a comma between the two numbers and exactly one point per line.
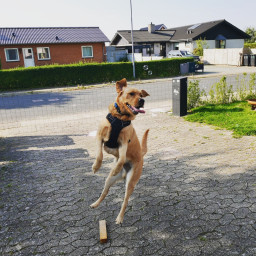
x=252, y=86
x=85, y=73
x=242, y=87
x=250, y=45
x=220, y=92
x=194, y=95
x=123, y=59
x=251, y=31
x=201, y=44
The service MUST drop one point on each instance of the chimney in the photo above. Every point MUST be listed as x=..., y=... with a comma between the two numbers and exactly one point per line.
x=151, y=28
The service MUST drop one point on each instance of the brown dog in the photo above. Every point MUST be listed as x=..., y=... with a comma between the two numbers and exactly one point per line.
x=119, y=138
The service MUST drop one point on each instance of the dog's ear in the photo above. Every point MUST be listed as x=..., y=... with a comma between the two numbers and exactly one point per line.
x=120, y=85
x=144, y=93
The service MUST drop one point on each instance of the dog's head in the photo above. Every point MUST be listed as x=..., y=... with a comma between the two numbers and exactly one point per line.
x=130, y=100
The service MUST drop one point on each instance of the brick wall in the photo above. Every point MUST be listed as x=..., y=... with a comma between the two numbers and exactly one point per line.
x=60, y=54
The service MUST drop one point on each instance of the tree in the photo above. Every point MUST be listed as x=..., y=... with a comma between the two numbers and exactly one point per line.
x=251, y=31
x=201, y=45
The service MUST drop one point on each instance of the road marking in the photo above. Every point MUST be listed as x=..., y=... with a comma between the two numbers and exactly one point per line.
x=53, y=99
x=37, y=100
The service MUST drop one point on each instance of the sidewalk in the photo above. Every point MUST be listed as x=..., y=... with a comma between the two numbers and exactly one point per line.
x=197, y=194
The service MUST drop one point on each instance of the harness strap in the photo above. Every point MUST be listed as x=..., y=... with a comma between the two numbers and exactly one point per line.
x=117, y=125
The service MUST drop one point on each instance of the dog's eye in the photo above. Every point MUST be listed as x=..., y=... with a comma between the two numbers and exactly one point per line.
x=132, y=93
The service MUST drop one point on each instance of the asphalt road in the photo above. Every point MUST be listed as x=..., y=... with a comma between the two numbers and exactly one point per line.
x=20, y=107
x=31, y=106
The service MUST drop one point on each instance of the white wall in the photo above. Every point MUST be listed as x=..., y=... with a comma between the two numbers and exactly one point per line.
x=122, y=42
x=148, y=58
x=168, y=48
x=157, y=49
x=235, y=43
x=223, y=56
x=139, y=57
x=182, y=46
x=211, y=44
x=188, y=46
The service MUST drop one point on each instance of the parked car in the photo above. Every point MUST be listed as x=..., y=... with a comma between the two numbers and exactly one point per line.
x=182, y=53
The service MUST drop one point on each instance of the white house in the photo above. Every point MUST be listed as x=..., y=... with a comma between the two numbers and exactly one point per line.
x=152, y=42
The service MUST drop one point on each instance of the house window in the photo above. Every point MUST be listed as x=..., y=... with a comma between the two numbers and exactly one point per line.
x=176, y=46
x=150, y=50
x=12, y=54
x=221, y=44
x=87, y=52
x=43, y=53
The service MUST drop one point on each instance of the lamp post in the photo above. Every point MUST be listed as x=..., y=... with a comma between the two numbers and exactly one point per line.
x=133, y=64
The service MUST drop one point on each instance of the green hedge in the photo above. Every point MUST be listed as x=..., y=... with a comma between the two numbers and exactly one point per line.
x=250, y=45
x=75, y=74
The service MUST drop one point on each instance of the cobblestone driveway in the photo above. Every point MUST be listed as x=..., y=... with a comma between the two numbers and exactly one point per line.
x=197, y=195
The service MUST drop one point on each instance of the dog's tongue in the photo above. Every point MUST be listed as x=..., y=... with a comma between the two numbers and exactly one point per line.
x=138, y=110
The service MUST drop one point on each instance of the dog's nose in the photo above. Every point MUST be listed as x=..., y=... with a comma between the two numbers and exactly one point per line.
x=141, y=102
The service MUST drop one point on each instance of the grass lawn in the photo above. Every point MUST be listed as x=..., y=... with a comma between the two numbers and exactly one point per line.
x=237, y=117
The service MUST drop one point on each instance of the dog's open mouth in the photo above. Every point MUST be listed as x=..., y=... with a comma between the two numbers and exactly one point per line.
x=135, y=110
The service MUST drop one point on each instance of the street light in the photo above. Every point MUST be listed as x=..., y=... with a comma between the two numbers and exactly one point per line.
x=133, y=64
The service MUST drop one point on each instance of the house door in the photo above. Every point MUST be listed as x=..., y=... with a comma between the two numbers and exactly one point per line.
x=28, y=57
x=163, y=49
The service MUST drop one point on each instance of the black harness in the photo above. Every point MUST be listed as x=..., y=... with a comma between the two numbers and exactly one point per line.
x=117, y=125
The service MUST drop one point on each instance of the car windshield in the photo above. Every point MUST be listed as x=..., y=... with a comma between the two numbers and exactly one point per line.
x=186, y=53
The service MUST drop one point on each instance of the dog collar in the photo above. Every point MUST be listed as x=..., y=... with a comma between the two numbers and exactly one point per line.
x=119, y=110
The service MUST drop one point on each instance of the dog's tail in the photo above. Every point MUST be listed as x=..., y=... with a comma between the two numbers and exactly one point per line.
x=144, y=147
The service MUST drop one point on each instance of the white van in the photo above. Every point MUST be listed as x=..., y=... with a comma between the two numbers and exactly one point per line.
x=181, y=53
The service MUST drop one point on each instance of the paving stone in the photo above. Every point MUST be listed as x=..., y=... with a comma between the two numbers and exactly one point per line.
x=196, y=196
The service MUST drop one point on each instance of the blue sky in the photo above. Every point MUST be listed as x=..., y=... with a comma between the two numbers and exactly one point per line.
x=113, y=15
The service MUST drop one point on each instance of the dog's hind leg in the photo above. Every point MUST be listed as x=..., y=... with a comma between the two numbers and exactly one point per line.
x=111, y=180
x=121, y=159
x=132, y=178
x=97, y=164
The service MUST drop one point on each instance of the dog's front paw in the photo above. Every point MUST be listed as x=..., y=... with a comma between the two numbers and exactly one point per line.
x=115, y=171
x=119, y=219
x=96, y=167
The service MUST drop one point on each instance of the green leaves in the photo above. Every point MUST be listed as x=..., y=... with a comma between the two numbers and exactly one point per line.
x=85, y=73
x=201, y=44
x=195, y=94
x=251, y=31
